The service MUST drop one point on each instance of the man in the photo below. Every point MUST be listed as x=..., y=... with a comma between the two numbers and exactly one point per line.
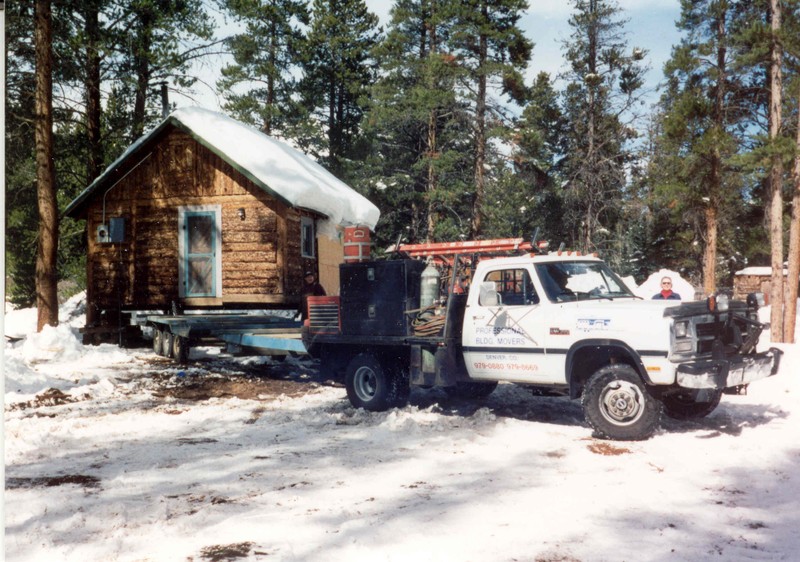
x=310, y=289
x=667, y=293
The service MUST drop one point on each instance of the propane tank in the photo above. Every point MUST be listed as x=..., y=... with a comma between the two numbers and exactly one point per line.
x=429, y=286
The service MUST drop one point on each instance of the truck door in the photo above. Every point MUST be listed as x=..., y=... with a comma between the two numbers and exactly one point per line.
x=502, y=338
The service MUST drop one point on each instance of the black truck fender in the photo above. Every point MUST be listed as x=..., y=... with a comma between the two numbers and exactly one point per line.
x=585, y=357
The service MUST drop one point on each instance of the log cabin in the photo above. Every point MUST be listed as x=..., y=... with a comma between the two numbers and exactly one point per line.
x=206, y=212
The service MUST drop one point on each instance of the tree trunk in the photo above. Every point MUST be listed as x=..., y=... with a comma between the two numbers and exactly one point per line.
x=47, y=248
x=480, y=133
x=93, y=108
x=273, y=56
x=710, y=254
x=790, y=312
x=141, y=57
x=431, y=148
x=715, y=183
x=776, y=178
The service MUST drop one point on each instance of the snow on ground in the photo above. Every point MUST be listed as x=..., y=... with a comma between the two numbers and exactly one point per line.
x=116, y=455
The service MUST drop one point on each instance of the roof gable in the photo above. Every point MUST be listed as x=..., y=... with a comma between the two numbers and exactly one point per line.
x=272, y=165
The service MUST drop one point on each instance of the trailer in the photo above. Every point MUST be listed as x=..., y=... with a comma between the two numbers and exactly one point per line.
x=261, y=334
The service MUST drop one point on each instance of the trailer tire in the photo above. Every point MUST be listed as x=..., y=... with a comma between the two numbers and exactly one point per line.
x=180, y=349
x=166, y=343
x=617, y=405
x=471, y=390
x=158, y=340
x=371, y=385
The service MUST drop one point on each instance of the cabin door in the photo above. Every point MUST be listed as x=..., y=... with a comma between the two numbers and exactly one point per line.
x=200, y=262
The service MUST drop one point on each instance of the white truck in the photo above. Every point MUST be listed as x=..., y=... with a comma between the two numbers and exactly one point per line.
x=562, y=323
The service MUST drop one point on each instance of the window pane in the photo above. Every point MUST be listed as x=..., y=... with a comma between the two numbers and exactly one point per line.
x=201, y=233
x=201, y=281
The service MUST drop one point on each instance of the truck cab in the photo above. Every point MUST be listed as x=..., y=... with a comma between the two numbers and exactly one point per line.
x=561, y=322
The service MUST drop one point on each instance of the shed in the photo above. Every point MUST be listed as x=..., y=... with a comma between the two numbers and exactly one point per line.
x=206, y=212
x=756, y=280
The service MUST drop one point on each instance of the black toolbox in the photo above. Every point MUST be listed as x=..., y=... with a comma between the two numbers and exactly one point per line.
x=375, y=296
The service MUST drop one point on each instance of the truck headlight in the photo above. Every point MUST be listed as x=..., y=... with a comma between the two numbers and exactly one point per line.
x=683, y=347
x=681, y=329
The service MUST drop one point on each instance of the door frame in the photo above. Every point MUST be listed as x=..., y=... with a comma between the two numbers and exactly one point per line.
x=193, y=210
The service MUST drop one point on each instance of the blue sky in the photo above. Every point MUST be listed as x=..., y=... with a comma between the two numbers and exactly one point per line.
x=651, y=26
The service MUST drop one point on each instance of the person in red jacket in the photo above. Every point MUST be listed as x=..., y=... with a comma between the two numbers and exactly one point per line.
x=666, y=291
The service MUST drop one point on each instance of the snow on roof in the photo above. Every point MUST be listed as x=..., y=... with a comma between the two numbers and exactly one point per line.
x=761, y=271
x=276, y=167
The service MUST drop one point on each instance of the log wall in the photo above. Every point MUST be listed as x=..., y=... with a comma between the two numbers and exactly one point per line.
x=261, y=262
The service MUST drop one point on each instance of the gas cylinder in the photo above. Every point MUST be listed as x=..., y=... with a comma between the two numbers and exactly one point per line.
x=429, y=286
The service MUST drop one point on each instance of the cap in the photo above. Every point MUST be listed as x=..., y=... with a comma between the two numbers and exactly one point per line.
x=307, y=273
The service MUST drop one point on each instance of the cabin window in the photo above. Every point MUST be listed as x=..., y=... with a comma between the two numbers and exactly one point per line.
x=200, y=265
x=308, y=237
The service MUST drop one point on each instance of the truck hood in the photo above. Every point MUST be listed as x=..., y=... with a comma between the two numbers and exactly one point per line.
x=641, y=324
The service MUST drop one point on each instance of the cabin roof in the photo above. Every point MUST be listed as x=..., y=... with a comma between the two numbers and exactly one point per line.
x=280, y=170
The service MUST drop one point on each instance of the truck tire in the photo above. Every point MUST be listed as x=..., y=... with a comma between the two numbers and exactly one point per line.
x=471, y=390
x=617, y=406
x=373, y=386
x=685, y=406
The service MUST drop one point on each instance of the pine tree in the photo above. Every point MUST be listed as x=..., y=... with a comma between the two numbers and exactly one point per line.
x=265, y=56
x=604, y=82
x=529, y=196
x=47, y=247
x=419, y=152
x=338, y=70
x=493, y=51
x=700, y=184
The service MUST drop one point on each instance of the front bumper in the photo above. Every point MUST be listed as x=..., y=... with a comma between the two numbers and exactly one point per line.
x=724, y=373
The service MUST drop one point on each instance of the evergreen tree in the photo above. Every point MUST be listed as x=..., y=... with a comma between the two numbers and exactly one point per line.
x=47, y=243
x=420, y=152
x=338, y=70
x=529, y=197
x=265, y=56
x=698, y=182
x=157, y=42
x=603, y=84
x=492, y=51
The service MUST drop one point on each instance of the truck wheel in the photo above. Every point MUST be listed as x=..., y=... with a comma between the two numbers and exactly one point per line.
x=180, y=349
x=372, y=386
x=470, y=390
x=617, y=405
x=685, y=406
x=158, y=340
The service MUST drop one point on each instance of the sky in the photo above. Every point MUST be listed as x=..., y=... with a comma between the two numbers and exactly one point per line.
x=651, y=26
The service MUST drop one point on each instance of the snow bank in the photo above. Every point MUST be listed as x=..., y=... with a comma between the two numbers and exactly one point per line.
x=55, y=358
x=653, y=285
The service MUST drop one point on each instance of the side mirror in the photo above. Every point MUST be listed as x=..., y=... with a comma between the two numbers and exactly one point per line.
x=488, y=295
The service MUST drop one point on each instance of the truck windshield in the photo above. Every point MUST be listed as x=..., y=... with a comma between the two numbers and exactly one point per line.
x=574, y=280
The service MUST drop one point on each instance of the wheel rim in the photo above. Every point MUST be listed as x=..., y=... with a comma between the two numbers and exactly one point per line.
x=622, y=403
x=365, y=383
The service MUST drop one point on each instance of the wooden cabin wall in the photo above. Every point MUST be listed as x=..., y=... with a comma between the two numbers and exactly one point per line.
x=261, y=262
